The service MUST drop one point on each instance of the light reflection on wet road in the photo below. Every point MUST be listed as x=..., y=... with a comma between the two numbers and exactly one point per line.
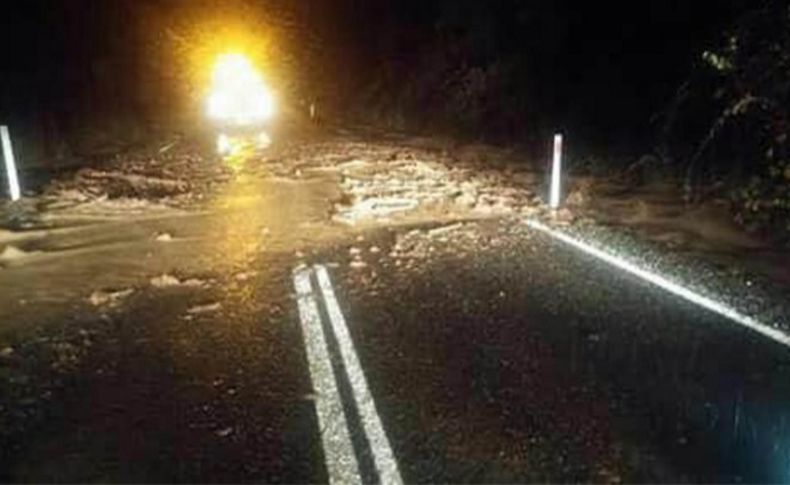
x=495, y=355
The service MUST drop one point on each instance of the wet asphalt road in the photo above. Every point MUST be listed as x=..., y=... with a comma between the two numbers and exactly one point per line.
x=493, y=354
x=530, y=362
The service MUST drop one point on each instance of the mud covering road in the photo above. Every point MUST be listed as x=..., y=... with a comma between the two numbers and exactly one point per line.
x=151, y=330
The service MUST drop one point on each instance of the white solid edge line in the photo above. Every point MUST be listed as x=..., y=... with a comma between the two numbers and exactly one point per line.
x=674, y=288
x=341, y=462
x=383, y=457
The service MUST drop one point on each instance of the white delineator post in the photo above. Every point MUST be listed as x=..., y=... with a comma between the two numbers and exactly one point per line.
x=556, y=170
x=10, y=163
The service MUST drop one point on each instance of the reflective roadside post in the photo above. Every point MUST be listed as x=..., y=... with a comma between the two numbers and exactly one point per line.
x=10, y=164
x=556, y=170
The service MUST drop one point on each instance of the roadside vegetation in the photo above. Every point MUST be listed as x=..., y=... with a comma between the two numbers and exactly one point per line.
x=707, y=113
x=727, y=128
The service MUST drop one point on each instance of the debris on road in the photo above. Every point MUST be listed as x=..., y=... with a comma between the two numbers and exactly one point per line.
x=168, y=280
x=372, y=208
x=245, y=276
x=444, y=230
x=12, y=253
x=14, y=236
x=381, y=181
x=165, y=280
x=109, y=298
x=208, y=308
x=392, y=189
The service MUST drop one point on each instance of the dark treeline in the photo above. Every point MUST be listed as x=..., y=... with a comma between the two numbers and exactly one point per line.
x=702, y=87
x=505, y=69
x=515, y=69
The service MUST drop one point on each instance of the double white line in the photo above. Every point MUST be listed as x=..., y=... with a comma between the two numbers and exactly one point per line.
x=341, y=462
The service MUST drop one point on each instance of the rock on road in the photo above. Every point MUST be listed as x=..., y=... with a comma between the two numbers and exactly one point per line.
x=164, y=341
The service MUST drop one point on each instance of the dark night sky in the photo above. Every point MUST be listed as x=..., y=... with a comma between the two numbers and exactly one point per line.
x=589, y=59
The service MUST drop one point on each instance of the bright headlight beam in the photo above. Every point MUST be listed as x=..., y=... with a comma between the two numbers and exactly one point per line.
x=664, y=283
x=238, y=93
x=10, y=164
x=224, y=145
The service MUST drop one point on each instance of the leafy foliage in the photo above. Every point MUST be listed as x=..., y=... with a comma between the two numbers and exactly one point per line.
x=729, y=121
x=764, y=201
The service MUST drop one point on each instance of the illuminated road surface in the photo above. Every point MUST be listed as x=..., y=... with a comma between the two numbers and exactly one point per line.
x=252, y=349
